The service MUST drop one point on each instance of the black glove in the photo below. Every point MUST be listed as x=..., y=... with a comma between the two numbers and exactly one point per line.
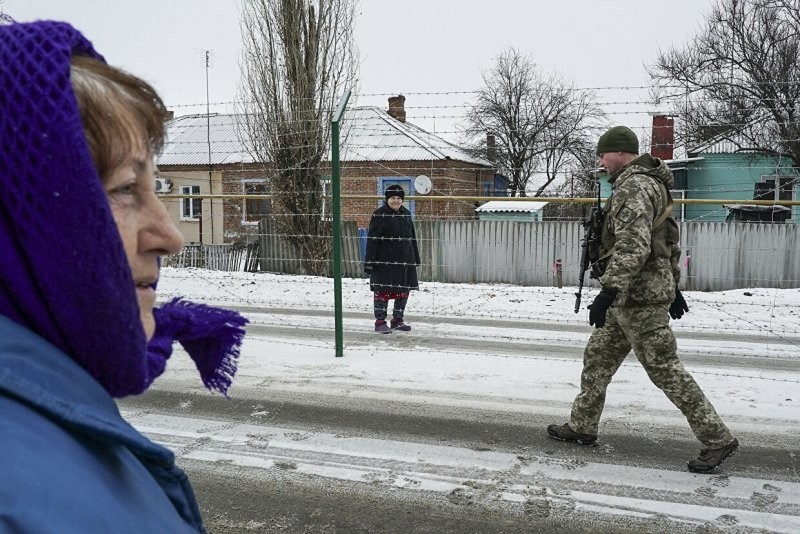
x=598, y=308
x=678, y=306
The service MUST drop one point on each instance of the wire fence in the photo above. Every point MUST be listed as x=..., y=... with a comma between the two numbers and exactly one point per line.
x=715, y=256
x=738, y=212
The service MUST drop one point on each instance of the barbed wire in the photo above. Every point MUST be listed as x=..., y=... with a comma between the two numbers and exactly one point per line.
x=465, y=308
x=552, y=243
x=479, y=268
x=386, y=131
x=469, y=198
x=452, y=189
x=536, y=357
x=356, y=96
x=353, y=118
x=351, y=167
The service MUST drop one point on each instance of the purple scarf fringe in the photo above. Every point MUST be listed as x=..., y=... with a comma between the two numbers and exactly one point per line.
x=211, y=336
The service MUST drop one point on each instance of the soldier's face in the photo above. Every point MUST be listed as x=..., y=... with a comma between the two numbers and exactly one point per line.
x=611, y=161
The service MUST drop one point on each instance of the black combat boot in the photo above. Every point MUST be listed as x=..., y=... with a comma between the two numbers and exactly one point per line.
x=710, y=459
x=565, y=433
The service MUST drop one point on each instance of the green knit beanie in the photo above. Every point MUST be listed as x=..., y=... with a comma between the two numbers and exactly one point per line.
x=618, y=139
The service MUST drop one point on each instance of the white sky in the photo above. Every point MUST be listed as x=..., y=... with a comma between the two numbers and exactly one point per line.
x=415, y=46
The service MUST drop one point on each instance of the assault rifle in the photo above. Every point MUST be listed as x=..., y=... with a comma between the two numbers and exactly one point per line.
x=592, y=227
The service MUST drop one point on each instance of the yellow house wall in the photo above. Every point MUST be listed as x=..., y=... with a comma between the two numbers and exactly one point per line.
x=211, y=209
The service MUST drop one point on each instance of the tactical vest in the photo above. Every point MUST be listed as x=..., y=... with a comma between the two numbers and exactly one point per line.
x=664, y=234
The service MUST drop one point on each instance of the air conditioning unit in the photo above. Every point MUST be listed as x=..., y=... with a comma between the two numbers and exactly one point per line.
x=163, y=185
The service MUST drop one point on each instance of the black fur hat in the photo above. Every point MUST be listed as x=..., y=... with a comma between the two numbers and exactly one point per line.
x=394, y=191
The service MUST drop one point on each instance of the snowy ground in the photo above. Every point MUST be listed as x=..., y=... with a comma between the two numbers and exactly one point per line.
x=514, y=350
x=758, y=311
x=758, y=323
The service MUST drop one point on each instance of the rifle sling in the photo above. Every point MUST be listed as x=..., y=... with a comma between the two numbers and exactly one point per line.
x=667, y=210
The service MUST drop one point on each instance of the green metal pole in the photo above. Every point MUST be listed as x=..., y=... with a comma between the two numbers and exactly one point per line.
x=336, y=192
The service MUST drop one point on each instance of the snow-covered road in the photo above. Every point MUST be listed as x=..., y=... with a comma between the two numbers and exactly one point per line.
x=454, y=412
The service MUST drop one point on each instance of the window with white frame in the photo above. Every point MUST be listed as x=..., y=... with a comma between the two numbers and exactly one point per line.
x=777, y=187
x=680, y=186
x=190, y=207
x=678, y=210
x=254, y=209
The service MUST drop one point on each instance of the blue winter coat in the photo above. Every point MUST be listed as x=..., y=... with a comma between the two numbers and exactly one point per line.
x=69, y=463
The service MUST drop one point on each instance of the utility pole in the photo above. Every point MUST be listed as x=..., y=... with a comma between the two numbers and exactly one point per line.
x=208, y=140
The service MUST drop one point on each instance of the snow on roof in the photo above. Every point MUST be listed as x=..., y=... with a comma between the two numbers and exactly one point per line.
x=719, y=146
x=368, y=134
x=188, y=141
x=757, y=207
x=739, y=139
x=371, y=134
x=507, y=206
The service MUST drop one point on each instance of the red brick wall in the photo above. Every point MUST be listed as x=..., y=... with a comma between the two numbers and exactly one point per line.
x=449, y=178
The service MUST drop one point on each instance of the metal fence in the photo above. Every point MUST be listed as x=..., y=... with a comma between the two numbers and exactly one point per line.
x=224, y=257
x=726, y=256
x=716, y=256
x=278, y=255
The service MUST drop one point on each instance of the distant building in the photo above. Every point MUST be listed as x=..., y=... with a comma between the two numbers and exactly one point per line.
x=727, y=169
x=205, y=155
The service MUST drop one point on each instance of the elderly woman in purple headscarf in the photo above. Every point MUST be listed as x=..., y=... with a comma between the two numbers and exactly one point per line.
x=81, y=234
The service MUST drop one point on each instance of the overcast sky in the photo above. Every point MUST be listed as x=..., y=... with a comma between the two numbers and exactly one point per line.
x=413, y=46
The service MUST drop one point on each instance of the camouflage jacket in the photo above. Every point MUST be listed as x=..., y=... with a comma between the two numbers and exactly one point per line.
x=641, y=262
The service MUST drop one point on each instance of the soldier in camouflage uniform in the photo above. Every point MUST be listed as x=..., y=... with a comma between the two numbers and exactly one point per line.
x=637, y=267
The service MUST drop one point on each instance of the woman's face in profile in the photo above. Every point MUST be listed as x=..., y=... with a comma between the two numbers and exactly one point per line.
x=144, y=225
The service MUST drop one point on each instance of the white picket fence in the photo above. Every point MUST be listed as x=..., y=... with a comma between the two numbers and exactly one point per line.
x=222, y=257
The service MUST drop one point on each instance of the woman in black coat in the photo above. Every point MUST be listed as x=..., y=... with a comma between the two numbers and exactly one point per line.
x=392, y=259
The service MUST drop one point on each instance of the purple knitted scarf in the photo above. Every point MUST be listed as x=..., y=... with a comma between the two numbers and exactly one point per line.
x=63, y=269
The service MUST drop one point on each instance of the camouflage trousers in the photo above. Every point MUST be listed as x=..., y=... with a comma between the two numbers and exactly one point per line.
x=646, y=330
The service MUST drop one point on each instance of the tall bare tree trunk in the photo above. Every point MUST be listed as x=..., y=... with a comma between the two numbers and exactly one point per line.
x=298, y=58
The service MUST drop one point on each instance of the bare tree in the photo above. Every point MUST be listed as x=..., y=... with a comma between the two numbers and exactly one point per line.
x=4, y=18
x=298, y=57
x=580, y=181
x=739, y=78
x=539, y=123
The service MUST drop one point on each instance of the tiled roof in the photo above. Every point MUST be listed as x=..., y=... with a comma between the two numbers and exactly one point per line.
x=368, y=134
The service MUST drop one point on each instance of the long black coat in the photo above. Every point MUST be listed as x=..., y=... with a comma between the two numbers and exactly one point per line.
x=392, y=250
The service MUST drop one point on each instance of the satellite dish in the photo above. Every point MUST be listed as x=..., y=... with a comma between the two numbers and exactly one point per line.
x=422, y=185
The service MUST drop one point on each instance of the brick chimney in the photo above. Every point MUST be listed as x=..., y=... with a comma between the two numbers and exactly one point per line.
x=662, y=143
x=491, y=146
x=397, y=107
